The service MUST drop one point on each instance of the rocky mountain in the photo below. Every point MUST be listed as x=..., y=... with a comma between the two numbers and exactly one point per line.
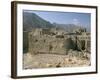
x=70, y=27
x=31, y=20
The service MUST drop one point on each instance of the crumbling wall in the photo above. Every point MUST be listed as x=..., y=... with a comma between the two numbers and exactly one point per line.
x=46, y=44
x=42, y=41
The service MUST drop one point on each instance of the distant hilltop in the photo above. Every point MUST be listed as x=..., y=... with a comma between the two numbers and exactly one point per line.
x=32, y=20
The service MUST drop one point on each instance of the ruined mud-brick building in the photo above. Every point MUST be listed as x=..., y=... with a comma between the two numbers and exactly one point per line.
x=57, y=41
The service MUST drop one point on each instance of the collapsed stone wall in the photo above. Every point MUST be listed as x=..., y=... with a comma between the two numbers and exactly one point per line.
x=46, y=44
x=50, y=42
x=43, y=42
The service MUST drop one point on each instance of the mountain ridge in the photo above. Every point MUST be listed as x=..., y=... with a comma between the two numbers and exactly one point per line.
x=32, y=20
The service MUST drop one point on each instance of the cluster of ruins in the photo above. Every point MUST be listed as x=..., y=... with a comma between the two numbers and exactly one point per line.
x=58, y=41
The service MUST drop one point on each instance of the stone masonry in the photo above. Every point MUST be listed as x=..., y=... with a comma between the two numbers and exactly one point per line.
x=55, y=41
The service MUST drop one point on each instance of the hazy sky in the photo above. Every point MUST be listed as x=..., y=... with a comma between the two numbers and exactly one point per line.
x=65, y=17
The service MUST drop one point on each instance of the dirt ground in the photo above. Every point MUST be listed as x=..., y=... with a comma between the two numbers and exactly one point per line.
x=53, y=60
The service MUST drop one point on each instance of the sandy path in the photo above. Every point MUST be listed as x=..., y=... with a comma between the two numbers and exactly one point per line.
x=52, y=60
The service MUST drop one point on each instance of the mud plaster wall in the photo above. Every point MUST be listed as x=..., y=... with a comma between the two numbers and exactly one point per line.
x=50, y=44
x=36, y=42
